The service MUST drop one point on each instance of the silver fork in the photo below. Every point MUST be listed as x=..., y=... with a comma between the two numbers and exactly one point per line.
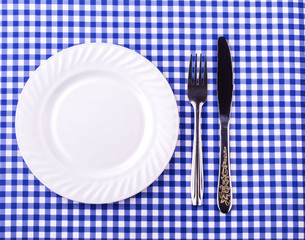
x=197, y=94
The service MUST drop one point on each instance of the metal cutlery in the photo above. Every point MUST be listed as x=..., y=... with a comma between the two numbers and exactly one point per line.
x=197, y=95
x=224, y=93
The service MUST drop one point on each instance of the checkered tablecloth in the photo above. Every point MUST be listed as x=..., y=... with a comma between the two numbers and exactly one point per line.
x=267, y=120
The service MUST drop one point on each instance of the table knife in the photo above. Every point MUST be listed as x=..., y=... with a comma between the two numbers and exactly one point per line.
x=224, y=93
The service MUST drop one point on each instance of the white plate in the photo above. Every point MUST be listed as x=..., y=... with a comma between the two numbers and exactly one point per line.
x=97, y=123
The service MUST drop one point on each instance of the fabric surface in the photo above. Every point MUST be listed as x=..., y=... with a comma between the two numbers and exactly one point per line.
x=267, y=121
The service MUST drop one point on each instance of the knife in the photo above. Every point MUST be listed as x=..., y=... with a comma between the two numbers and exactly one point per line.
x=224, y=93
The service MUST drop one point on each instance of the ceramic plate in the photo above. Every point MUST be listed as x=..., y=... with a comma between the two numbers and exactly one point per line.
x=97, y=123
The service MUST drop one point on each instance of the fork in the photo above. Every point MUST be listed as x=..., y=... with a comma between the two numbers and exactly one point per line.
x=197, y=95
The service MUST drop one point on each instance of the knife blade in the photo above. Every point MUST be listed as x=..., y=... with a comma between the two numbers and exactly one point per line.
x=224, y=93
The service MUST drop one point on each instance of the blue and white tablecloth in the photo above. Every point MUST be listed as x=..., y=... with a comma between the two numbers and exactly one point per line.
x=267, y=121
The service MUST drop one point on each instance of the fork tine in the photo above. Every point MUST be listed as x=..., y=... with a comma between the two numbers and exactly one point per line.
x=189, y=81
x=200, y=80
x=195, y=70
x=205, y=77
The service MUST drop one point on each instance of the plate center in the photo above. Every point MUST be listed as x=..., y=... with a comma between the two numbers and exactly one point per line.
x=97, y=121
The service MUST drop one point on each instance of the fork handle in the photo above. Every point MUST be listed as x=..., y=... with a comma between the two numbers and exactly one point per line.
x=197, y=165
x=224, y=190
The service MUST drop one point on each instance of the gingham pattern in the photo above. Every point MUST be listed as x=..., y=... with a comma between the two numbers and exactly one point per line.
x=267, y=140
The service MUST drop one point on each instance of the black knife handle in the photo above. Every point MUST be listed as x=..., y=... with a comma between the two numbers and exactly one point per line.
x=224, y=190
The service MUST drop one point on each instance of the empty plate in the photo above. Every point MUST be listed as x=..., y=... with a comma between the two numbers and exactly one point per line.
x=97, y=123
